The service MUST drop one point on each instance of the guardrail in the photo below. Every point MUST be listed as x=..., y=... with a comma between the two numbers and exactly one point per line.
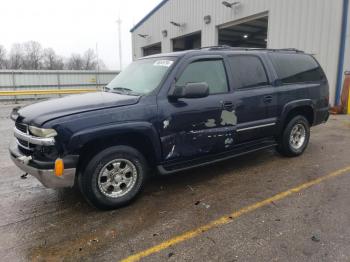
x=46, y=92
x=16, y=85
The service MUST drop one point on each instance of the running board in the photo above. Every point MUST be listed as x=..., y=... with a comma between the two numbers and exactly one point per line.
x=185, y=165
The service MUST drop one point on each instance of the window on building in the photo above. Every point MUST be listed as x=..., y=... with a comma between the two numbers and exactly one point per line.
x=210, y=71
x=152, y=50
x=187, y=42
x=296, y=68
x=247, y=71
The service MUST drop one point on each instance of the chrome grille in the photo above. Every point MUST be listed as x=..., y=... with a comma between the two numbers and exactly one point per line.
x=28, y=141
x=21, y=127
x=23, y=145
x=25, y=151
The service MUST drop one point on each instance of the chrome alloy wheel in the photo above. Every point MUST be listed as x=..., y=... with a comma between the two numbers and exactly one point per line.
x=297, y=136
x=117, y=178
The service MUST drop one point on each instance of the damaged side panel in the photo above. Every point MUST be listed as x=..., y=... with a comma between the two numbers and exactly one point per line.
x=184, y=137
x=228, y=118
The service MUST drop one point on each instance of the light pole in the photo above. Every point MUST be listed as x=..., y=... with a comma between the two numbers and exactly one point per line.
x=119, y=22
x=98, y=68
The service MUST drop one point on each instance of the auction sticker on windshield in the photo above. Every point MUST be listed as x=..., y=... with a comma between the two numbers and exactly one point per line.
x=166, y=63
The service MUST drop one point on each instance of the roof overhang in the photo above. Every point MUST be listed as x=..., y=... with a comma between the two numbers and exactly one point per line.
x=148, y=15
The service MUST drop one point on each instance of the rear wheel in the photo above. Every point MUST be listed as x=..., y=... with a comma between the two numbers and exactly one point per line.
x=295, y=137
x=113, y=177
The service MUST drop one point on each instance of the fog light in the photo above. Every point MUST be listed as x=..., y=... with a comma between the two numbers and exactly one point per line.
x=59, y=167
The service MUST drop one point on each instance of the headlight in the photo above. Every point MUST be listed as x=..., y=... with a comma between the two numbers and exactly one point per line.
x=42, y=132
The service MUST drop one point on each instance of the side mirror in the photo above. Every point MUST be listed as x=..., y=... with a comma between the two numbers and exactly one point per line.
x=190, y=90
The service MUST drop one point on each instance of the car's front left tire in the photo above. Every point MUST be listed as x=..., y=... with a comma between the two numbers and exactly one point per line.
x=113, y=177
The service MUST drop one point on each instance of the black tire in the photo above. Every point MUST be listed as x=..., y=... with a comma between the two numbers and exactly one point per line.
x=285, y=146
x=88, y=179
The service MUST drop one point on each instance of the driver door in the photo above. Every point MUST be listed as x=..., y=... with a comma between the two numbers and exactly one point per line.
x=191, y=128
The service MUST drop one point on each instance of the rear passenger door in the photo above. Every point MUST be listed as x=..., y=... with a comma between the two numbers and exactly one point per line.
x=253, y=97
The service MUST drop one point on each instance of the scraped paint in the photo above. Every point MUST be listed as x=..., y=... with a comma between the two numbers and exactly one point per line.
x=228, y=118
x=210, y=123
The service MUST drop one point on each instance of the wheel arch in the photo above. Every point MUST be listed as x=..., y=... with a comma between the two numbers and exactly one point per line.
x=305, y=108
x=141, y=136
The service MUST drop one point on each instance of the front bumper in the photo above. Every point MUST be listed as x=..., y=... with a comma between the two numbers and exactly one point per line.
x=46, y=176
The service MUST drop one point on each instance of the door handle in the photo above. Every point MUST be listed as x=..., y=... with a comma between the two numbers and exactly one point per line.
x=267, y=99
x=228, y=105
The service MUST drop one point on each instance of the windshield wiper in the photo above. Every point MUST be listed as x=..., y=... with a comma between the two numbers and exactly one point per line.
x=122, y=91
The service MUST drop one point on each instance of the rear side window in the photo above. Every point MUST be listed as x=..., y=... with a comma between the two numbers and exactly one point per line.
x=247, y=71
x=210, y=71
x=296, y=68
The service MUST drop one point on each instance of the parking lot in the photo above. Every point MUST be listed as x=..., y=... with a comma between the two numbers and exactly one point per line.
x=259, y=207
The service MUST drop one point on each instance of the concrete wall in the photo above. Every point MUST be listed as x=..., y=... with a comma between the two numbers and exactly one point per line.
x=310, y=25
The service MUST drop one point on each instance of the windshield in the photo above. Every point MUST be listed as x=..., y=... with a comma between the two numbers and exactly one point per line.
x=141, y=77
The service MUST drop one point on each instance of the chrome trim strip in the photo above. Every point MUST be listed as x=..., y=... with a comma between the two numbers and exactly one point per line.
x=41, y=141
x=255, y=127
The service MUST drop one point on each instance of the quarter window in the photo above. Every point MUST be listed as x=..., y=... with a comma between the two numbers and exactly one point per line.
x=247, y=71
x=296, y=68
x=211, y=72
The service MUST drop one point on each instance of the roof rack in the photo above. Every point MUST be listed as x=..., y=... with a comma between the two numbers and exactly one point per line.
x=226, y=47
x=219, y=47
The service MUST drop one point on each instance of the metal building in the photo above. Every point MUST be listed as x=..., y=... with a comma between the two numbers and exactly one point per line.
x=319, y=27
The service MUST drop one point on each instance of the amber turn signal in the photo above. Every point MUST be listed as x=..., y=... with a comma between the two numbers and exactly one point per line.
x=59, y=167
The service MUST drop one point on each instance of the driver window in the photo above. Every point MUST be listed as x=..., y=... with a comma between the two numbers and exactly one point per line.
x=210, y=71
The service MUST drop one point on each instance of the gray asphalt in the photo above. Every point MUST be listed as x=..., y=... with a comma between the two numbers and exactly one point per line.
x=42, y=224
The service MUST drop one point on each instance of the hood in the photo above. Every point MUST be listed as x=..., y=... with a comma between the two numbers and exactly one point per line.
x=42, y=112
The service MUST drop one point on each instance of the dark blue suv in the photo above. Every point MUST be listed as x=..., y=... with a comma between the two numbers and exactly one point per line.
x=171, y=112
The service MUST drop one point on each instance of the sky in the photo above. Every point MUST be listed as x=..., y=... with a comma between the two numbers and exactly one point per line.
x=73, y=26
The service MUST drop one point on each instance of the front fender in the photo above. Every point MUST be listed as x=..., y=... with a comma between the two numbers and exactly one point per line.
x=78, y=140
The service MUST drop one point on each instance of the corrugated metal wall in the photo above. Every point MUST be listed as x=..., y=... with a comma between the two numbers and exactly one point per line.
x=61, y=79
x=310, y=25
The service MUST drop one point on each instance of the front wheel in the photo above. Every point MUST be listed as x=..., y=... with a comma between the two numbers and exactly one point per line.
x=295, y=137
x=113, y=177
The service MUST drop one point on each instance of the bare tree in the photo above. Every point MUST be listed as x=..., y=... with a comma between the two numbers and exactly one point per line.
x=3, y=60
x=16, y=57
x=75, y=62
x=90, y=60
x=33, y=54
x=51, y=61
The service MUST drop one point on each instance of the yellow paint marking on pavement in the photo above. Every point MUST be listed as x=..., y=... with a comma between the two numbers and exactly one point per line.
x=228, y=218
